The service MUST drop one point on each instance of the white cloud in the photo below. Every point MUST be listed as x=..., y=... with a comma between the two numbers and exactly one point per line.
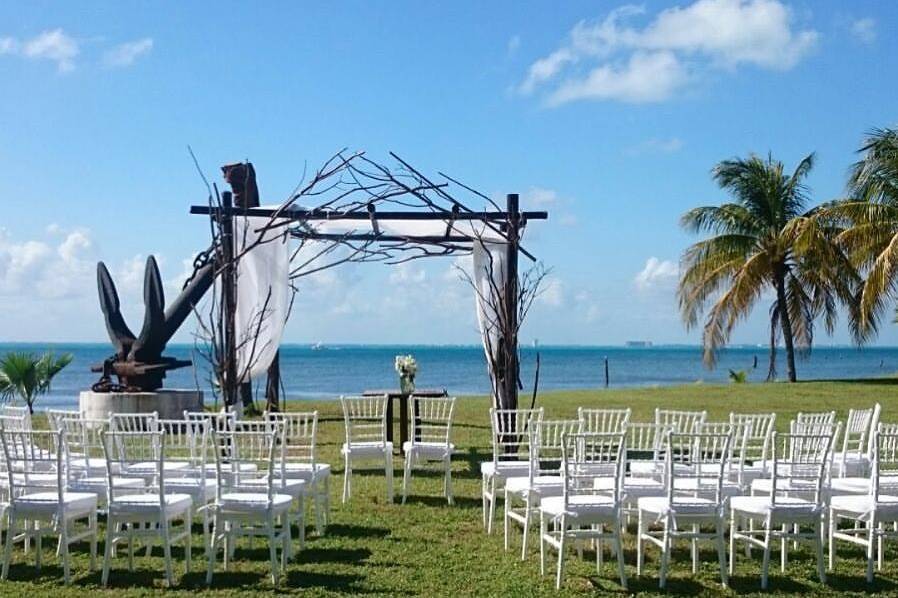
x=611, y=60
x=539, y=197
x=8, y=45
x=645, y=77
x=35, y=269
x=864, y=30
x=552, y=292
x=127, y=53
x=54, y=45
x=656, y=273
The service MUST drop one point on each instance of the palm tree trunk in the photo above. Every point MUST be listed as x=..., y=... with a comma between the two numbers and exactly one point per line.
x=786, y=324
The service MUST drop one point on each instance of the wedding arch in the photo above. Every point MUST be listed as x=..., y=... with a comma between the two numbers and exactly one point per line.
x=354, y=209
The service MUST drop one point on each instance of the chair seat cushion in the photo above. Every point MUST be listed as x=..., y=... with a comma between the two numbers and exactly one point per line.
x=765, y=486
x=303, y=471
x=294, y=488
x=148, y=468
x=547, y=485
x=685, y=506
x=253, y=502
x=580, y=506
x=633, y=488
x=786, y=508
x=48, y=502
x=504, y=469
x=366, y=448
x=428, y=449
x=148, y=504
x=706, y=486
x=862, y=507
x=645, y=468
x=200, y=490
x=98, y=484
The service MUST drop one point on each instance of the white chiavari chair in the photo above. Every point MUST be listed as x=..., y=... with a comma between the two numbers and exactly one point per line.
x=543, y=477
x=511, y=429
x=603, y=421
x=430, y=434
x=695, y=464
x=366, y=438
x=582, y=512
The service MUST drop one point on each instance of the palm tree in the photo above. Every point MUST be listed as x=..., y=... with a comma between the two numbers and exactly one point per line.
x=26, y=376
x=765, y=239
x=870, y=218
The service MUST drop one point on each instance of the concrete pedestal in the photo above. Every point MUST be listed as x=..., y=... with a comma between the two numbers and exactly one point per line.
x=168, y=403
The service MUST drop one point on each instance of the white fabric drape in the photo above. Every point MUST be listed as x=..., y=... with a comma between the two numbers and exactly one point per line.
x=262, y=294
x=490, y=275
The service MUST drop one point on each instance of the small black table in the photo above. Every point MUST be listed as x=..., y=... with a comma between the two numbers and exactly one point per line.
x=403, y=398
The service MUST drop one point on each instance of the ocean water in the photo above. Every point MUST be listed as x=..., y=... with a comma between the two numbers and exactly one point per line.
x=344, y=369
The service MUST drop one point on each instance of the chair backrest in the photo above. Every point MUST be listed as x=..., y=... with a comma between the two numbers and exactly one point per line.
x=218, y=420
x=700, y=457
x=134, y=422
x=885, y=459
x=584, y=456
x=123, y=449
x=82, y=442
x=29, y=455
x=432, y=420
x=603, y=421
x=800, y=461
x=547, y=443
x=811, y=423
x=682, y=422
x=858, y=428
x=260, y=443
x=365, y=418
x=645, y=441
x=753, y=434
x=184, y=440
x=300, y=434
x=22, y=423
x=511, y=433
x=55, y=417
x=19, y=412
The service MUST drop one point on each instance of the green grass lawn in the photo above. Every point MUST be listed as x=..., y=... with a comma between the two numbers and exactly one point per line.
x=426, y=547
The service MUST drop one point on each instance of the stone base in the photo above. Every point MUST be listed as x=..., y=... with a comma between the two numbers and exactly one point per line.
x=167, y=403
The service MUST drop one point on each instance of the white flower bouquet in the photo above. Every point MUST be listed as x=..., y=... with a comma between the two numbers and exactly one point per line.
x=406, y=367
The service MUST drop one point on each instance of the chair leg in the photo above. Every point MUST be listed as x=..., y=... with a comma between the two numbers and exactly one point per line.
x=832, y=541
x=879, y=539
x=492, y=513
x=765, y=563
x=694, y=549
x=784, y=549
x=448, y=483
x=639, y=532
x=721, y=553
x=871, y=544
x=543, y=529
x=166, y=549
x=389, y=476
x=619, y=549
x=93, y=541
x=64, y=539
x=505, y=512
x=188, y=523
x=818, y=541
x=406, y=471
x=272, y=550
x=7, y=553
x=732, y=541
x=483, y=485
x=107, y=552
x=210, y=550
x=346, y=473
x=665, y=554
x=562, y=537
x=527, y=508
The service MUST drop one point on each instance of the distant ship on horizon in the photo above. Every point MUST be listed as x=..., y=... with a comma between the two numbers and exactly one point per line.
x=638, y=344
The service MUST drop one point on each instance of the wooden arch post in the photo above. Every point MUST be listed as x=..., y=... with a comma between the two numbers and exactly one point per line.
x=510, y=338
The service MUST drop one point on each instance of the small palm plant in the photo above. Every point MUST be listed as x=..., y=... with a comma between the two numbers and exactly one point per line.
x=26, y=376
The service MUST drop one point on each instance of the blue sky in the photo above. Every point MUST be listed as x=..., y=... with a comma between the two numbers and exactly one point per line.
x=608, y=116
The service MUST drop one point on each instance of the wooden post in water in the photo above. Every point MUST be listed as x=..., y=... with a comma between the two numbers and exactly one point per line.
x=606, y=371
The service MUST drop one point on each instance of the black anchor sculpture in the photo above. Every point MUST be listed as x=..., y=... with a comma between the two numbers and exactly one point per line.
x=138, y=361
